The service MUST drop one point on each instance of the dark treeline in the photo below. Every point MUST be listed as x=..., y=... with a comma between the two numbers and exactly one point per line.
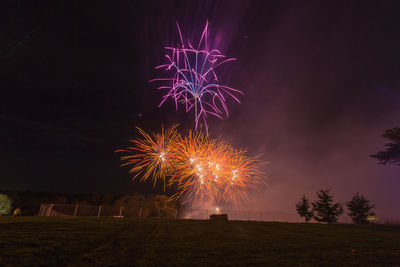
x=324, y=210
x=29, y=202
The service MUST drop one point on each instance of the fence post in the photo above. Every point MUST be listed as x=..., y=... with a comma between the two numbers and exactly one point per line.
x=98, y=213
x=158, y=213
x=44, y=211
x=120, y=212
x=49, y=210
x=140, y=213
x=40, y=210
x=76, y=209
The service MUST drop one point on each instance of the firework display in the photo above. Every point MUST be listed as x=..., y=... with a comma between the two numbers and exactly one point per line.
x=193, y=79
x=152, y=154
x=199, y=167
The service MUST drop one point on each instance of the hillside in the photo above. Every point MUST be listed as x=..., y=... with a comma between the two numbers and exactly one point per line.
x=82, y=241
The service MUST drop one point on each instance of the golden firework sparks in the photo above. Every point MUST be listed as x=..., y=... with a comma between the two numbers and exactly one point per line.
x=199, y=167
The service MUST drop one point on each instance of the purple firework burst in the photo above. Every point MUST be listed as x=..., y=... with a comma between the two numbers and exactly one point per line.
x=194, y=81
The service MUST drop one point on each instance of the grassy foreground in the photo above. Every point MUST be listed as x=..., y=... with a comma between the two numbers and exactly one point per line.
x=90, y=241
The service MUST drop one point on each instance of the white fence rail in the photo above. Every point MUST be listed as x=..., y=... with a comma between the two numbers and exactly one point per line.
x=78, y=210
x=243, y=215
x=70, y=210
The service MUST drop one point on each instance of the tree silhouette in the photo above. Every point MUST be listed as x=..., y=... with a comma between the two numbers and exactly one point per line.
x=324, y=209
x=302, y=208
x=360, y=209
x=5, y=204
x=392, y=152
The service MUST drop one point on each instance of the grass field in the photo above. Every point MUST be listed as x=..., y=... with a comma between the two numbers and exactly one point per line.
x=90, y=241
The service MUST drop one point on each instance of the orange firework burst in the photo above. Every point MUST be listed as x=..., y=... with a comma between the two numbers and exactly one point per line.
x=193, y=166
x=152, y=154
x=199, y=167
x=242, y=174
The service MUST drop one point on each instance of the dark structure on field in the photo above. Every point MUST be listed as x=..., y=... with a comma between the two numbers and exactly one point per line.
x=219, y=217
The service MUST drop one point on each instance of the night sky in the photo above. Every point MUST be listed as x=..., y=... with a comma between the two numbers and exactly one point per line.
x=321, y=82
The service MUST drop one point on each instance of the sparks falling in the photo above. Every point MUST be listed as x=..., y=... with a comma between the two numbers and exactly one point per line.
x=198, y=166
x=150, y=154
x=193, y=80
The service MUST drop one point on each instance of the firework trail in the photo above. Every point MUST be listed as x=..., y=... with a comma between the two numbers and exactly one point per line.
x=242, y=174
x=150, y=155
x=192, y=174
x=194, y=81
x=197, y=166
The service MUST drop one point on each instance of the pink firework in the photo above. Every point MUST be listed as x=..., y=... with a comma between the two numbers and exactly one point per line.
x=194, y=82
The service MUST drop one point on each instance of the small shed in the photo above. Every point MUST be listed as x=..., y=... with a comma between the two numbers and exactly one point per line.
x=219, y=217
